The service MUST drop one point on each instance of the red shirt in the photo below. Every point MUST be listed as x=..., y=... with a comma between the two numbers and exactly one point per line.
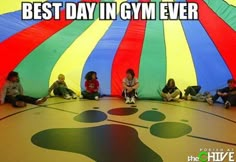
x=92, y=86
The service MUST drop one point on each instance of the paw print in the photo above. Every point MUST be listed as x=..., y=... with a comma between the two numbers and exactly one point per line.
x=111, y=142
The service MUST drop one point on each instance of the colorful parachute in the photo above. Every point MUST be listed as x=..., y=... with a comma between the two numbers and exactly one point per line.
x=192, y=52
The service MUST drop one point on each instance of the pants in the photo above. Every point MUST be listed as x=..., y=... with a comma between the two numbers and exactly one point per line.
x=215, y=98
x=192, y=90
x=199, y=97
x=232, y=100
x=26, y=99
x=90, y=96
x=172, y=95
x=63, y=91
x=131, y=94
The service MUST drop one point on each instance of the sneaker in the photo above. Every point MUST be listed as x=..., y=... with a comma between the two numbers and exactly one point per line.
x=209, y=101
x=41, y=100
x=127, y=101
x=132, y=101
x=81, y=97
x=96, y=98
x=67, y=97
x=227, y=104
x=74, y=96
x=20, y=104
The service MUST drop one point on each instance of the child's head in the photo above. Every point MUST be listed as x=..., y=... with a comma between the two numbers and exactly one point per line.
x=61, y=78
x=13, y=76
x=130, y=74
x=171, y=83
x=231, y=83
x=92, y=75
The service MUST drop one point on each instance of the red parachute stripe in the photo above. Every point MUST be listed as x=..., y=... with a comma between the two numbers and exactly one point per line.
x=128, y=54
x=223, y=36
x=14, y=49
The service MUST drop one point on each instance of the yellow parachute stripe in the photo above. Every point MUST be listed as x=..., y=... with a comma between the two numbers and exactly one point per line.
x=231, y=2
x=13, y=5
x=71, y=63
x=179, y=60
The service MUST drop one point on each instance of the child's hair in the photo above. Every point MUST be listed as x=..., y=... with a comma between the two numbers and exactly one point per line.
x=61, y=76
x=12, y=74
x=131, y=72
x=88, y=76
x=231, y=81
x=169, y=81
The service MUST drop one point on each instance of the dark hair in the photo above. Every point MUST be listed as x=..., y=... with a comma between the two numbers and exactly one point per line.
x=169, y=81
x=131, y=72
x=12, y=74
x=231, y=81
x=88, y=76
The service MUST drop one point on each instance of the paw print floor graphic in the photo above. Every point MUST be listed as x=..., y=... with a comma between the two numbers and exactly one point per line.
x=111, y=131
x=111, y=142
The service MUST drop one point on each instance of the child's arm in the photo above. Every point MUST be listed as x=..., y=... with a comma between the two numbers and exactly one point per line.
x=97, y=86
x=3, y=94
x=21, y=89
x=52, y=87
x=136, y=85
x=165, y=90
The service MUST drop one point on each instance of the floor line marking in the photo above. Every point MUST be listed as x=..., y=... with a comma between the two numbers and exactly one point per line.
x=212, y=140
x=186, y=107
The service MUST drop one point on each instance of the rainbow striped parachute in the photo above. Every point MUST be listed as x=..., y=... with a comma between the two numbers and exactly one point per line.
x=192, y=52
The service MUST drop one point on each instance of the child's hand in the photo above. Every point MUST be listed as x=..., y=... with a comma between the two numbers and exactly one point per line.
x=129, y=89
x=225, y=94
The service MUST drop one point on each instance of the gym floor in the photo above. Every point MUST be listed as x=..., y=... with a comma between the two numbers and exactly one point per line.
x=111, y=131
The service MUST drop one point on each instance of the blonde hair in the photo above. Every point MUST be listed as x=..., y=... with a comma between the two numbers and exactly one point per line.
x=60, y=76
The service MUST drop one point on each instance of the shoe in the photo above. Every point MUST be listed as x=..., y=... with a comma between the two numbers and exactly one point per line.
x=41, y=100
x=227, y=104
x=20, y=104
x=67, y=97
x=81, y=97
x=209, y=101
x=74, y=96
x=132, y=101
x=127, y=101
x=96, y=98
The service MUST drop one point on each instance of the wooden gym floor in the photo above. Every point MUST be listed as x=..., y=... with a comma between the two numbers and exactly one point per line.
x=111, y=131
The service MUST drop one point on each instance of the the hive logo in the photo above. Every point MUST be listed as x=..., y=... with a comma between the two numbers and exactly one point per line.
x=213, y=155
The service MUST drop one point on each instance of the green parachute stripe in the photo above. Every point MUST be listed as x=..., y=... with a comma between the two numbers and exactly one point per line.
x=153, y=60
x=224, y=11
x=40, y=62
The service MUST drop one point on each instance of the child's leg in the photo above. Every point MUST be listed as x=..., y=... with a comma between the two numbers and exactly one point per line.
x=132, y=94
x=175, y=93
x=232, y=100
x=12, y=100
x=215, y=98
x=87, y=95
x=165, y=96
x=31, y=100
x=62, y=92
x=70, y=92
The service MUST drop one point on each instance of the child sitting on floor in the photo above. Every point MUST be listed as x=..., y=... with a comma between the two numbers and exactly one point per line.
x=60, y=88
x=130, y=85
x=228, y=94
x=192, y=93
x=12, y=92
x=91, y=86
x=170, y=92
